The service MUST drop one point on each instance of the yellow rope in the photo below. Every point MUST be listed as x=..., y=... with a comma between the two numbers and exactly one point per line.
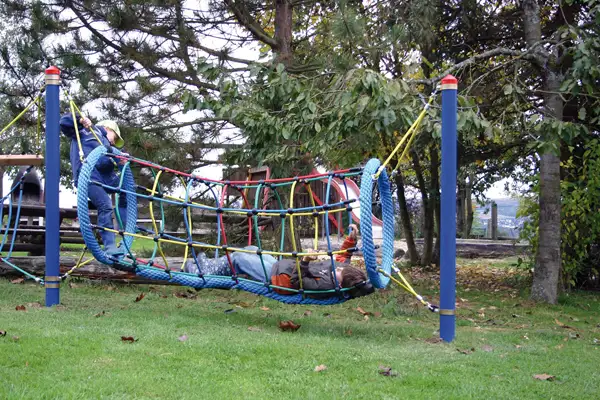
x=153, y=192
x=293, y=234
x=18, y=117
x=316, y=218
x=79, y=264
x=411, y=131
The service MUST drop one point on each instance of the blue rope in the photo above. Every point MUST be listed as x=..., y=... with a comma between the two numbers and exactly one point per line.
x=366, y=226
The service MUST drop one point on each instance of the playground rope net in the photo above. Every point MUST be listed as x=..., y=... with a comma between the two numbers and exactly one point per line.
x=195, y=187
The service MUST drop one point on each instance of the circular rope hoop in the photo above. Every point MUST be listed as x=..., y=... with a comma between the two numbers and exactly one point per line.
x=366, y=227
x=82, y=204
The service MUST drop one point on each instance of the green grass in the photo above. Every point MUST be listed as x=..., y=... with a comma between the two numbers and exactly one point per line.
x=69, y=353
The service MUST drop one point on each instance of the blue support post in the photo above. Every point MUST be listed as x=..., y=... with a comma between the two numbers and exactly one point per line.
x=52, y=278
x=448, y=210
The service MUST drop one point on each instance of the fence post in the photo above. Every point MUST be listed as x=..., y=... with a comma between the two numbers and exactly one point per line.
x=494, y=221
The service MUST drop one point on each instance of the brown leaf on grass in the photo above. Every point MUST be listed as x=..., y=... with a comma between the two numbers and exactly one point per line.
x=377, y=314
x=518, y=346
x=254, y=329
x=2, y=333
x=140, y=297
x=387, y=371
x=289, y=326
x=182, y=338
x=15, y=338
x=20, y=308
x=466, y=351
x=348, y=332
x=544, y=377
x=100, y=314
x=72, y=285
x=363, y=312
x=184, y=295
x=129, y=339
x=487, y=348
x=34, y=305
x=320, y=368
x=559, y=346
x=434, y=340
x=242, y=304
x=265, y=308
x=17, y=281
x=307, y=313
x=563, y=325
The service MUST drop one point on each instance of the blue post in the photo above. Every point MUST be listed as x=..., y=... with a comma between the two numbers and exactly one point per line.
x=448, y=211
x=52, y=278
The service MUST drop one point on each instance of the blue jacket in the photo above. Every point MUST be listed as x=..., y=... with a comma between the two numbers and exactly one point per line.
x=105, y=167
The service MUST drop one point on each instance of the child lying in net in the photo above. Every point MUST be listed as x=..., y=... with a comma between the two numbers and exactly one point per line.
x=316, y=275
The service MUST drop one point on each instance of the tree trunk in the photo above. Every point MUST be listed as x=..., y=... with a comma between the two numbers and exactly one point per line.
x=548, y=259
x=283, y=31
x=405, y=220
x=461, y=205
x=1, y=183
x=468, y=209
x=428, y=219
x=434, y=155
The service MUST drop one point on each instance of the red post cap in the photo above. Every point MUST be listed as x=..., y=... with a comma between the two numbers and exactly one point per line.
x=449, y=80
x=52, y=70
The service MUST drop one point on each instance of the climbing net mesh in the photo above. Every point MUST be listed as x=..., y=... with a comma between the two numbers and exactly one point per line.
x=196, y=187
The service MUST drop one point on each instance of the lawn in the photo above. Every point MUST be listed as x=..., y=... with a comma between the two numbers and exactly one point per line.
x=218, y=344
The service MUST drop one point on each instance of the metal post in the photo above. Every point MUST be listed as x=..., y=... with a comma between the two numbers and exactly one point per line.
x=52, y=278
x=448, y=210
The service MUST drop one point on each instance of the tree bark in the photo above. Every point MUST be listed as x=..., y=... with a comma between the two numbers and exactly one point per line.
x=548, y=257
x=434, y=155
x=428, y=214
x=546, y=274
x=405, y=220
x=283, y=31
x=468, y=209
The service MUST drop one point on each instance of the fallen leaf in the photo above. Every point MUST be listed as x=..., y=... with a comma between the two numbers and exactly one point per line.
x=140, y=297
x=15, y=338
x=179, y=306
x=72, y=285
x=242, y=304
x=100, y=314
x=487, y=348
x=254, y=329
x=366, y=317
x=320, y=368
x=466, y=351
x=563, y=325
x=288, y=326
x=363, y=312
x=434, y=340
x=17, y=281
x=307, y=313
x=265, y=308
x=182, y=338
x=387, y=371
x=559, y=346
x=34, y=305
x=544, y=377
x=20, y=308
x=2, y=333
x=377, y=314
x=518, y=346
x=348, y=332
x=184, y=295
x=129, y=339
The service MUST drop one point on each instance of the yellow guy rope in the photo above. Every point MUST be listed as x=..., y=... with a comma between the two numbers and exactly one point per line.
x=410, y=134
x=18, y=117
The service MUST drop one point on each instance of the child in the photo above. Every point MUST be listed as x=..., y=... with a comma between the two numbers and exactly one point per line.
x=317, y=276
x=350, y=242
x=109, y=134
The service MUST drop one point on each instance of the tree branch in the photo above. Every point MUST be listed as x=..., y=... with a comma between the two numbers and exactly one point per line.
x=244, y=18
